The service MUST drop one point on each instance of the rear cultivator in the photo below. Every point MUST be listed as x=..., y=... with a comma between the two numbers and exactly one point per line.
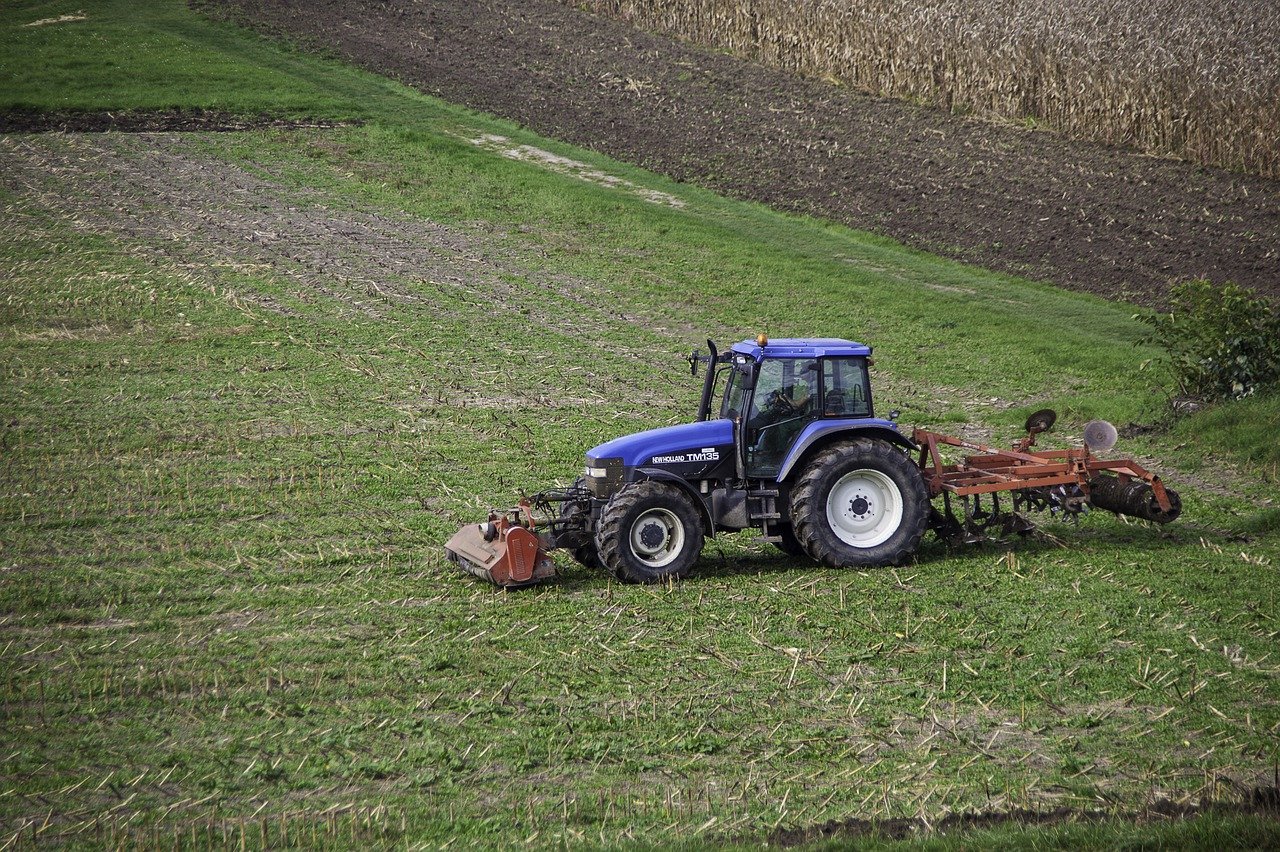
x=1063, y=482
x=797, y=453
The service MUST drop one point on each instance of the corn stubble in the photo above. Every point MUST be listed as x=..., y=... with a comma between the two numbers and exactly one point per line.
x=1194, y=80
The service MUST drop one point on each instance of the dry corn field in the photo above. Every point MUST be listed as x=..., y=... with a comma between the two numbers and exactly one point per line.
x=1199, y=81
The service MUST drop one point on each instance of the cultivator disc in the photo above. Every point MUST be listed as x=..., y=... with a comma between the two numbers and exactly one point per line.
x=1100, y=436
x=1041, y=421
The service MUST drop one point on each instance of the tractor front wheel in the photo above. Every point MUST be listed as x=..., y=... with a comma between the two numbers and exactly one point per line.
x=648, y=532
x=860, y=503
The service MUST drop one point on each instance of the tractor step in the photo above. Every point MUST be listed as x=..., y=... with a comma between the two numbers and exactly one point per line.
x=766, y=507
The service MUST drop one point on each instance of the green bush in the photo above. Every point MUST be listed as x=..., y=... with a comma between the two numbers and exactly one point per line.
x=1222, y=342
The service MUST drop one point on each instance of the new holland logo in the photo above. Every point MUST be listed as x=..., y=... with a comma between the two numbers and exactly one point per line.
x=706, y=454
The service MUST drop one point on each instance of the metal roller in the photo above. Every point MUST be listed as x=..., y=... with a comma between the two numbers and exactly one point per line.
x=1134, y=498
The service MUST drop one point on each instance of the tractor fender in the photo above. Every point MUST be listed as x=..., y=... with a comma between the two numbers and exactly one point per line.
x=819, y=433
x=642, y=473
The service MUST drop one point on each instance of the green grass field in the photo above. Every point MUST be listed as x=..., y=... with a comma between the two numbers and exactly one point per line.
x=233, y=446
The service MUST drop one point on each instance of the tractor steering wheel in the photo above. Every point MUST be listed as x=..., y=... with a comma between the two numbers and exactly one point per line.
x=777, y=402
x=780, y=403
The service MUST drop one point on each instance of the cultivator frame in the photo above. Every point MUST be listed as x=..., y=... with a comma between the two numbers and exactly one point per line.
x=1065, y=482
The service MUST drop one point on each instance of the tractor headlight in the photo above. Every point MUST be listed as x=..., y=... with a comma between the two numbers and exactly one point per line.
x=604, y=476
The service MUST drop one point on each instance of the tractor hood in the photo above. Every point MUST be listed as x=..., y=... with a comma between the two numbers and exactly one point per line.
x=707, y=441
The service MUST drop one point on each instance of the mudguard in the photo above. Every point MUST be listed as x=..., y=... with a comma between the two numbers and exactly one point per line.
x=821, y=431
x=699, y=500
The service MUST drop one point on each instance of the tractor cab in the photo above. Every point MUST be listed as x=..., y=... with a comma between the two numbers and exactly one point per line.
x=771, y=391
x=766, y=407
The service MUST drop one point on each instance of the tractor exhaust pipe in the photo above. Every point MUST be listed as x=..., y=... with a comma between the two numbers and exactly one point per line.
x=1135, y=498
x=709, y=382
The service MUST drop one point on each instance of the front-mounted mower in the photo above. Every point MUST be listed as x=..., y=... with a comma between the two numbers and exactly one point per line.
x=786, y=441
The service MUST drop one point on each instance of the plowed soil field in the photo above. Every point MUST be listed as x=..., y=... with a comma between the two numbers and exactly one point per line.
x=1087, y=217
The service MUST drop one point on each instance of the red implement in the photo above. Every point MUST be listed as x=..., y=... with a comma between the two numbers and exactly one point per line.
x=502, y=552
x=1071, y=479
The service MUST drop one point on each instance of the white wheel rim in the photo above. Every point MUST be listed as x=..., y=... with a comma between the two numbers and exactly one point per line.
x=864, y=508
x=657, y=538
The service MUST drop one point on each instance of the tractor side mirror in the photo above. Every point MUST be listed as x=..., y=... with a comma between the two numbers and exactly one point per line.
x=695, y=358
x=894, y=415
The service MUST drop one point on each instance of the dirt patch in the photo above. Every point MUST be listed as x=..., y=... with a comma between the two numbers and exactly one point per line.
x=61, y=19
x=1085, y=216
x=1262, y=801
x=182, y=205
x=147, y=121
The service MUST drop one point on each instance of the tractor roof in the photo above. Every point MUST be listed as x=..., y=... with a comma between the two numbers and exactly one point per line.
x=801, y=347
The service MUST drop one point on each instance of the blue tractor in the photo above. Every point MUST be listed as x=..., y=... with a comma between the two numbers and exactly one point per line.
x=787, y=442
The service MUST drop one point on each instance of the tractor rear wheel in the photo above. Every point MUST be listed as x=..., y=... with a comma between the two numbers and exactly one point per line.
x=860, y=503
x=649, y=531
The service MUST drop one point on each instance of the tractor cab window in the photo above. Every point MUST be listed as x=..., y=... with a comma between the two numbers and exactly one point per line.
x=785, y=399
x=735, y=390
x=845, y=388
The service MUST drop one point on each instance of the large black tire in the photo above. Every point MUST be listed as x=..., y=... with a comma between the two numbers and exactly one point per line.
x=860, y=503
x=648, y=532
x=578, y=514
x=789, y=545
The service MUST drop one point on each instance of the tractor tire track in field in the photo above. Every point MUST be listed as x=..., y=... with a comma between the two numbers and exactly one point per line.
x=174, y=198
x=1084, y=216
